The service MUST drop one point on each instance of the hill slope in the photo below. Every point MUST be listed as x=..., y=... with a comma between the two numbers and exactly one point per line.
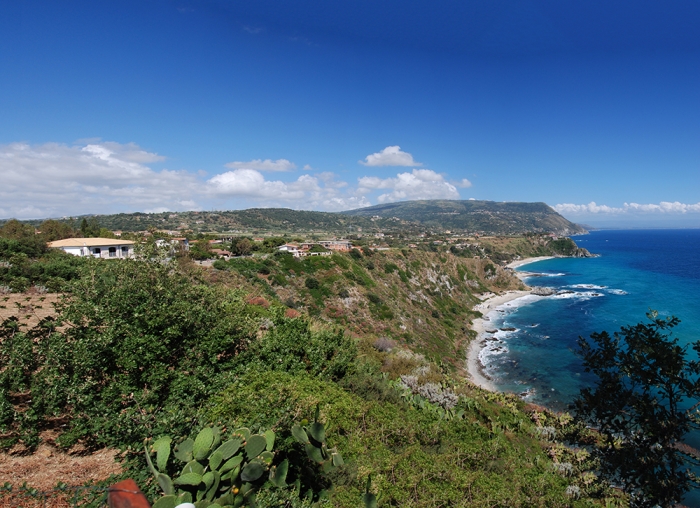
x=488, y=217
x=408, y=217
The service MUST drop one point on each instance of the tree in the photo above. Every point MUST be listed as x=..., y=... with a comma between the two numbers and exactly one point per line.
x=142, y=347
x=91, y=228
x=16, y=230
x=241, y=246
x=201, y=249
x=54, y=230
x=643, y=405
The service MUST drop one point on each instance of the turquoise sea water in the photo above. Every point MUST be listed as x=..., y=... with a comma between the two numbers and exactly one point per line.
x=636, y=271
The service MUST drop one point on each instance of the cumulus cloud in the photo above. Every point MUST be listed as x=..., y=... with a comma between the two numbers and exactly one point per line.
x=319, y=192
x=103, y=177
x=419, y=184
x=390, y=156
x=664, y=207
x=264, y=165
x=462, y=184
x=55, y=179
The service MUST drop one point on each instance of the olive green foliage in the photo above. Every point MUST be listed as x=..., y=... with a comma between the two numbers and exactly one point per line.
x=215, y=474
x=200, y=250
x=141, y=348
x=25, y=262
x=292, y=346
x=418, y=298
x=490, y=457
x=16, y=230
x=643, y=405
x=563, y=246
x=242, y=246
x=312, y=283
x=313, y=437
x=55, y=230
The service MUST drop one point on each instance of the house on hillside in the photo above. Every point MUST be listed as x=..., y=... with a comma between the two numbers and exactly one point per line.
x=337, y=245
x=292, y=248
x=107, y=248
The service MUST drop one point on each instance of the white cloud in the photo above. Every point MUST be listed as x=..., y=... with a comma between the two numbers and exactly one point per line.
x=419, y=184
x=103, y=177
x=264, y=165
x=664, y=207
x=390, y=156
x=308, y=192
x=462, y=184
x=55, y=179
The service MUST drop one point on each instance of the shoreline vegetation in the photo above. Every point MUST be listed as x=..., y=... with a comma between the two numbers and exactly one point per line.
x=475, y=368
x=265, y=341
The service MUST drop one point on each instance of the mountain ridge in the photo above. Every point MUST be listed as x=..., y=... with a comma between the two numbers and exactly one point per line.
x=410, y=217
x=511, y=217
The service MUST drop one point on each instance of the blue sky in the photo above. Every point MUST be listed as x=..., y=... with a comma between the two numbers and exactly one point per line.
x=592, y=107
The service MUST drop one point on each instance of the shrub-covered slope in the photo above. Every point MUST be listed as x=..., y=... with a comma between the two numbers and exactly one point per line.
x=146, y=348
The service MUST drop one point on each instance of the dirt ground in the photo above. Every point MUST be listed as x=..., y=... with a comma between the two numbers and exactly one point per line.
x=47, y=467
x=29, y=307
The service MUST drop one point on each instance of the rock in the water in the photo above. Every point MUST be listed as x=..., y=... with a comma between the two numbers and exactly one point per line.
x=543, y=291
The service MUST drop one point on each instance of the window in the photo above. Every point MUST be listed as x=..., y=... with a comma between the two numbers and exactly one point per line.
x=97, y=251
x=113, y=252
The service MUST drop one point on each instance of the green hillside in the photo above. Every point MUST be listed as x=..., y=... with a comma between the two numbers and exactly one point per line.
x=488, y=217
x=407, y=217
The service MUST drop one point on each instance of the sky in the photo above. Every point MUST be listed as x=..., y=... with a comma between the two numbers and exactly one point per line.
x=592, y=107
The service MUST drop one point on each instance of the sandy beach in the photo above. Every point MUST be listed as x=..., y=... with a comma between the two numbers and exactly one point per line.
x=527, y=261
x=488, y=304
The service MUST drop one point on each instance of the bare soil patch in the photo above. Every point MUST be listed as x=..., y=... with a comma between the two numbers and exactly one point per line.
x=29, y=308
x=47, y=467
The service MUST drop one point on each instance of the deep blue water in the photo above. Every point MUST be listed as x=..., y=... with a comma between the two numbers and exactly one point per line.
x=636, y=271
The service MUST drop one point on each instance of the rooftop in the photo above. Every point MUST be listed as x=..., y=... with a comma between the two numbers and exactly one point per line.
x=89, y=242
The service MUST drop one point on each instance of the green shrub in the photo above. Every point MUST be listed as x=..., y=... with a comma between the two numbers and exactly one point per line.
x=415, y=458
x=146, y=346
x=292, y=346
x=374, y=299
x=391, y=268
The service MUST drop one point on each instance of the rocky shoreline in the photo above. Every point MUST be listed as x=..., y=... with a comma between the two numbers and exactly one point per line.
x=474, y=366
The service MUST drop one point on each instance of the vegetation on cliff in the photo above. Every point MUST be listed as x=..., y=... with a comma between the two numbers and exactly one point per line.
x=147, y=348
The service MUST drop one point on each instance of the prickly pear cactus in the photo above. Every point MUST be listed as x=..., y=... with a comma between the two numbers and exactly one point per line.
x=215, y=474
x=313, y=437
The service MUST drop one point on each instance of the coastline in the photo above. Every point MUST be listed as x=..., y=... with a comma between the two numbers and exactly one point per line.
x=475, y=368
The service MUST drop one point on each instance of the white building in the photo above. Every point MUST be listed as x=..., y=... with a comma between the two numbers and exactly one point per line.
x=108, y=248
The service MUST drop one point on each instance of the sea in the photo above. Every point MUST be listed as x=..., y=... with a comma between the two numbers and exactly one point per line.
x=532, y=352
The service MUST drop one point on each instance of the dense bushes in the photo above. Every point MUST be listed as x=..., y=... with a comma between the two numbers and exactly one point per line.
x=24, y=263
x=415, y=457
x=292, y=346
x=141, y=347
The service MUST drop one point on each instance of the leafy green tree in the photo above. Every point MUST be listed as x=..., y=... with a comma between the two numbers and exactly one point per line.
x=643, y=405
x=16, y=230
x=90, y=228
x=241, y=246
x=201, y=249
x=270, y=244
x=142, y=347
x=55, y=230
